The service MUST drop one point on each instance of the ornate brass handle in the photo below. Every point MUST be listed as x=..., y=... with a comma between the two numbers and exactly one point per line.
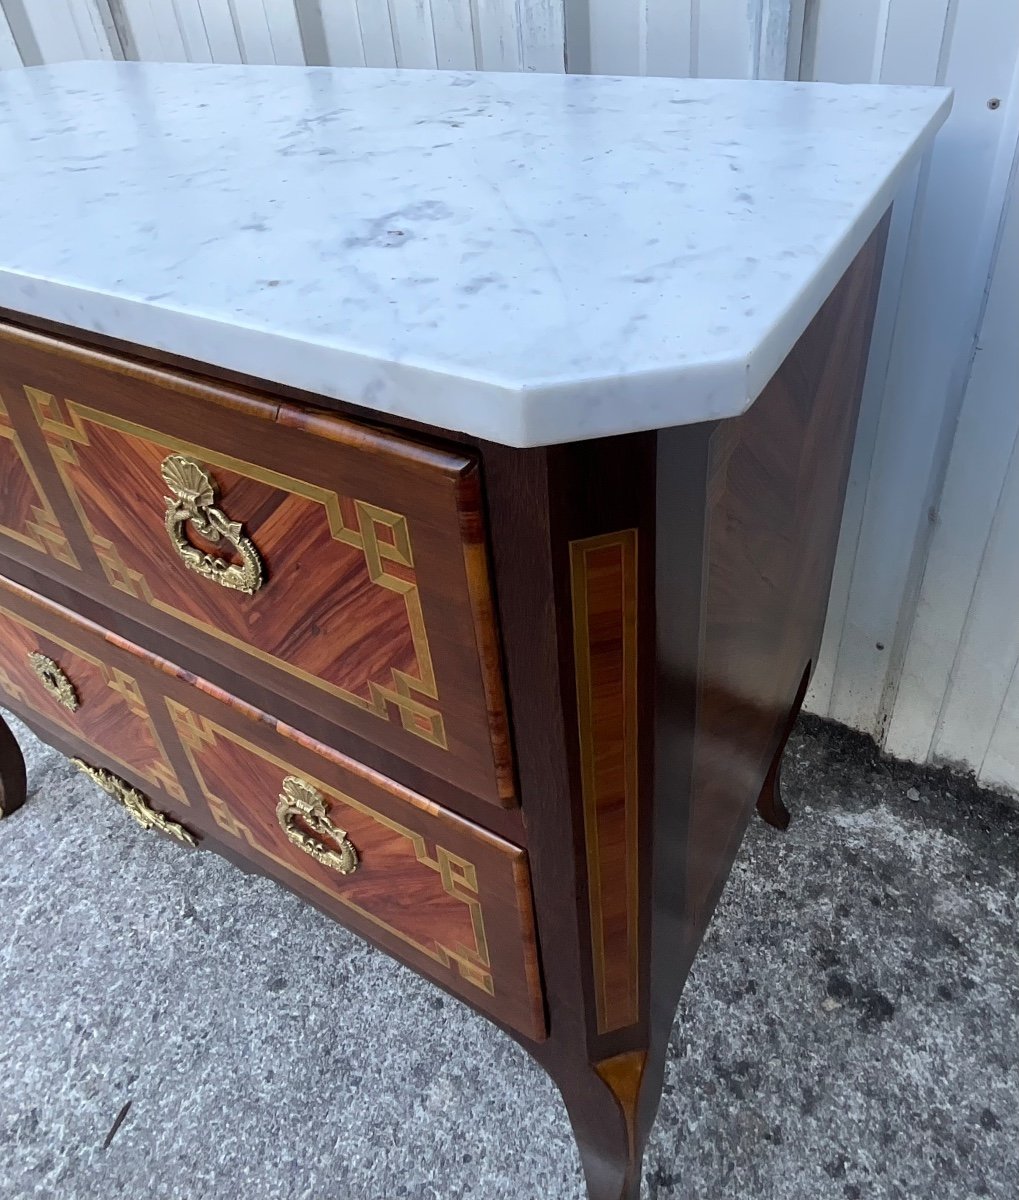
x=135, y=803
x=194, y=500
x=54, y=680
x=303, y=814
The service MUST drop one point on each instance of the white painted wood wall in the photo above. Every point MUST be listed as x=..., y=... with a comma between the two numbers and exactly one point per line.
x=922, y=643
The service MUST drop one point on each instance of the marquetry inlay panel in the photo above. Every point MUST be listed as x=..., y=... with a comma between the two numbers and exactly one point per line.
x=111, y=469
x=423, y=894
x=111, y=715
x=604, y=588
x=25, y=511
x=373, y=610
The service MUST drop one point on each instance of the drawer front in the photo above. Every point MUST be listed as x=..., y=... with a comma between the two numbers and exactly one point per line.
x=447, y=897
x=338, y=566
x=61, y=674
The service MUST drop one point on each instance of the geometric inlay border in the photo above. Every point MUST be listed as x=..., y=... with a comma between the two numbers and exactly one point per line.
x=65, y=426
x=457, y=876
x=161, y=772
x=43, y=532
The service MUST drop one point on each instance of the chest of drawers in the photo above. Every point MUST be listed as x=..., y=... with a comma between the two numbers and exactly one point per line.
x=497, y=688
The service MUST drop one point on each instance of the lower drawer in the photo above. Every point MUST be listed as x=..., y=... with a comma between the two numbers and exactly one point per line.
x=442, y=894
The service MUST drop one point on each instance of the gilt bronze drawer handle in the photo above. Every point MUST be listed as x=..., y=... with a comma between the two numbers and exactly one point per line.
x=194, y=500
x=135, y=803
x=54, y=680
x=303, y=814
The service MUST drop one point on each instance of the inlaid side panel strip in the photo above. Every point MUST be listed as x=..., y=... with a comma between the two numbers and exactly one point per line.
x=604, y=584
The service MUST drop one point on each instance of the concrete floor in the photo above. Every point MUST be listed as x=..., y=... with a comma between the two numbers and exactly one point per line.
x=850, y=1031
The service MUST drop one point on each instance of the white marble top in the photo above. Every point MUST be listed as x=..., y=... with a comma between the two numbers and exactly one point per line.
x=528, y=258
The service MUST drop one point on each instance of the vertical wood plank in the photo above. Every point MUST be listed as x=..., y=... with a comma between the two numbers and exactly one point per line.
x=618, y=37
x=285, y=32
x=774, y=33
x=94, y=25
x=268, y=31
x=975, y=489
x=253, y=31
x=906, y=46
x=498, y=36
x=946, y=274
x=191, y=24
x=191, y=18
x=914, y=37
x=331, y=32
x=376, y=33
x=220, y=33
x=542, y=35
x=577, y=37
x=797, y=38
x=10, y=56
x=667, y=37
x=725, y=39
x=412, y=33
x=154, y=32
x=989, y=650
x=59, y=31
x=1001, y=763
x=843, y=41
x=453, y=34
x=217, y=18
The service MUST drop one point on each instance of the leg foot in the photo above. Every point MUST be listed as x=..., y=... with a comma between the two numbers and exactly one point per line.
x=12, y=772
x=603, y=1100
x=769, y=803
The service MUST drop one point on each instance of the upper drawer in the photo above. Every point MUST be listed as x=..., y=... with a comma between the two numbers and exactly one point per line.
x=336, y=565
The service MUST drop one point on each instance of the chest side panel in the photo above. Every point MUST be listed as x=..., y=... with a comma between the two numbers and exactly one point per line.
x=776, y=484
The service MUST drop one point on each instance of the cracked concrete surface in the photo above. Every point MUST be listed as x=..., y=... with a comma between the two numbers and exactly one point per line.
x=850, y=1030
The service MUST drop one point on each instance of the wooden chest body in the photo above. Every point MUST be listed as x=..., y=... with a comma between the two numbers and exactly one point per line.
x=532, y=696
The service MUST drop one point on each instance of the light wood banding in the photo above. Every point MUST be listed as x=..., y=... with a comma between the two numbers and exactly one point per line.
x=604, y=584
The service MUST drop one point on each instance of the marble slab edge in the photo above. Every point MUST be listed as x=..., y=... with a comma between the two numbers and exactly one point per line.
x=536, y=415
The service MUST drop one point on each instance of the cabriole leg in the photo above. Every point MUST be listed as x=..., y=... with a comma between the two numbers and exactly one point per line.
x=770, y=803
x=611, y=1122
x=12, y=772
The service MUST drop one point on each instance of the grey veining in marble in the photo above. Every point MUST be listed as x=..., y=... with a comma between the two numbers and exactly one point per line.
x=527, y=258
